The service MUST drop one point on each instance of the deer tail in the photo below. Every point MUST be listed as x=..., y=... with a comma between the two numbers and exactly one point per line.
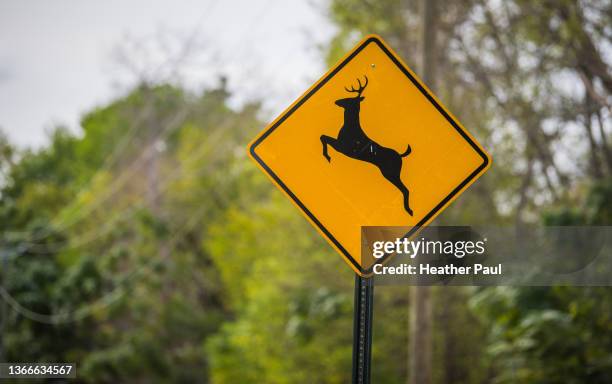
x=408, y=150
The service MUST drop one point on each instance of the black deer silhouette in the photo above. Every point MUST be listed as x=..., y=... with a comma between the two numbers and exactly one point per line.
x=353, y=142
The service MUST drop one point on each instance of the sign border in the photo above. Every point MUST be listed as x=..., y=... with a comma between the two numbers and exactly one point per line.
x=486, y=160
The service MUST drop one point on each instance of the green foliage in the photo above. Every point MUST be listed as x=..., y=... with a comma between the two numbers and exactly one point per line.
x=288, y=328
x=549, y=335
x=558, y=334
x=100, y=270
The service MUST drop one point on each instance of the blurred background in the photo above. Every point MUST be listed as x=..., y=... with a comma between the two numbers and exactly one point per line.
x=139, y=241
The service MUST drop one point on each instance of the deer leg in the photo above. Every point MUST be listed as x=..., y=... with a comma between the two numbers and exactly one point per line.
x=327, y=140
x=405, y=193
x=391, y=171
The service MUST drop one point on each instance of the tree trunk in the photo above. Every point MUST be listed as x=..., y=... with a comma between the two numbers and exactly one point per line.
x=595, y=168
x=420, y=335
x=420, y=346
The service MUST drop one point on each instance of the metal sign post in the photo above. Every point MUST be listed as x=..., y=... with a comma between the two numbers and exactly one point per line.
x=362, y=329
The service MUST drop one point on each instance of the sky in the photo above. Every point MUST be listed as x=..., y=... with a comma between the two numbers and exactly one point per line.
x=61, y=58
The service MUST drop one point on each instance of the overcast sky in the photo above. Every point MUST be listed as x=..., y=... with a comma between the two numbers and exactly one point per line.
x=60, y=58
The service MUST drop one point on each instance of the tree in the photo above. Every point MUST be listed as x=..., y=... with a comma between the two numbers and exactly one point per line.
x=86, y=281
x=420, y=353
x=553, y=334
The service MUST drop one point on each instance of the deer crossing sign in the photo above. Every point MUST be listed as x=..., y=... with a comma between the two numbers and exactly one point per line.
x=368, y=145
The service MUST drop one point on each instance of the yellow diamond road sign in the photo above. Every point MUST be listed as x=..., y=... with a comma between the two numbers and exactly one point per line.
x=368, y=144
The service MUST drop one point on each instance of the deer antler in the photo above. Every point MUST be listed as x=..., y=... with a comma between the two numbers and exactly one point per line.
x=361, y=87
